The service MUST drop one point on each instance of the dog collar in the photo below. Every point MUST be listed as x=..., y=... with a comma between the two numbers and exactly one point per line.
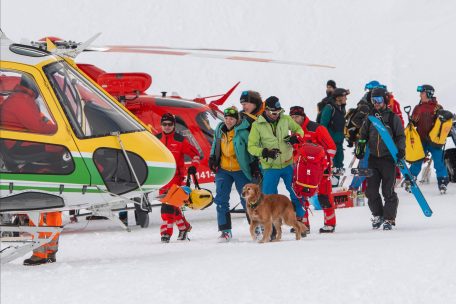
x=255, y=204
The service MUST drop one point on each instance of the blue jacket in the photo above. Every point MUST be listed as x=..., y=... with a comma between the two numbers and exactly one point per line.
x=241, y=139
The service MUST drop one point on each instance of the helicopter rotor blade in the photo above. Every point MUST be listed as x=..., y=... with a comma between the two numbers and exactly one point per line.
x=182, y=48
x=203, y=55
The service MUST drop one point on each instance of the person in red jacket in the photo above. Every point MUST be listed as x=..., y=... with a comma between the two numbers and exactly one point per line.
x=318, y=134
x=394, y=105
x=179, y=146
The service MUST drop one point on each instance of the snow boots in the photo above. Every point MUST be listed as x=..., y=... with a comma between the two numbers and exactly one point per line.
x=226, y=236
x=377, y=221
x=327, y=229
x=183, y=234
x=165, y=238
x=388, y=225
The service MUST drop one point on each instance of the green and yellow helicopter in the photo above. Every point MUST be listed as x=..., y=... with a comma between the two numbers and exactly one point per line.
x=66, y=144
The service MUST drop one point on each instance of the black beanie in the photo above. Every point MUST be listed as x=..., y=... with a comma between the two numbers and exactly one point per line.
x=168, y=117
x=331, y=83
x=297, y=110
x=273, y=103
x=251, y=97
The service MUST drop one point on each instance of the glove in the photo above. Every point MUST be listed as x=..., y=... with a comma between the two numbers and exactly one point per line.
x=360, y=149
x=212, y=164
x=400, y=154
x=255, y=169
x=192, y=170
x=270, y=153
x=292, y=140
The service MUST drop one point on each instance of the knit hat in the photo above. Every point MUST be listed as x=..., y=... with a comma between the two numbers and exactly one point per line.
x=340, y=92
x=331, y=83
x=273, y=103
x=231, y=112
x=168, y=117
x=297, y=110
x=252, y=97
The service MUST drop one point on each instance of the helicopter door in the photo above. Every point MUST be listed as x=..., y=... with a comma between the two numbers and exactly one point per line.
x=36, y=150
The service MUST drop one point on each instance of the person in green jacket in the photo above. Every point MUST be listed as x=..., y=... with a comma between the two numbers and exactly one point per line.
x=333, y=118
x=269, y=140
x=231, y=163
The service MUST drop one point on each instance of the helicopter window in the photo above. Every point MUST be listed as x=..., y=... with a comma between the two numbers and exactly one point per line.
x=17, y=156
x=22, y=106
x=115, y=171
x=208, y=121
x=89, y=111
x=181, y=128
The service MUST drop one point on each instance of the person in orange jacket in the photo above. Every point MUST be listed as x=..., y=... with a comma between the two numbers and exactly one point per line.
x=318, y=134
x=46, y=253
x=179, y=146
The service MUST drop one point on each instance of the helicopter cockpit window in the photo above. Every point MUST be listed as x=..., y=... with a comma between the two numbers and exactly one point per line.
x=89, y=111
x=208, y=121
x=181, y=128
x=22, y=107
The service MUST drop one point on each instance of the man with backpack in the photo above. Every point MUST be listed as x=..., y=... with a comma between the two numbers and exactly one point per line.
x=333, y=119
x=424, y=116
x=317, y=134
x=381, y=162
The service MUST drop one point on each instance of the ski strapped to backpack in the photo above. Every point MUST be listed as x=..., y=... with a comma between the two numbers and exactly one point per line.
x=401, y=164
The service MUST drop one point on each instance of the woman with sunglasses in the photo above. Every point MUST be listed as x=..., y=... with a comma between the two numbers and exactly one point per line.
x=381, y=161
x=231, y=163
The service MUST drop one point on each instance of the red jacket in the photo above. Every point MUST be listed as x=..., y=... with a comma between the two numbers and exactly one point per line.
x=423, y=116
x=19, y=112
x=394, y=105
x=318, y=134
x=179, y=146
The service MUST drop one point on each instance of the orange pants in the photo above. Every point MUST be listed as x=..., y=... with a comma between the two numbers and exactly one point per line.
x=48, y=219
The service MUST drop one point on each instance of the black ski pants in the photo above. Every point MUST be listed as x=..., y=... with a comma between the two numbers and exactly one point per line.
x=384, y=173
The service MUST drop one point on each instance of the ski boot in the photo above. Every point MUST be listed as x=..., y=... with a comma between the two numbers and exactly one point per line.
x=377, y=221
x=388, y=224
x=442, y=188
x=327, y=229
x=183, y=234
x=226, y=236
x=165, y=238
x=443, y=182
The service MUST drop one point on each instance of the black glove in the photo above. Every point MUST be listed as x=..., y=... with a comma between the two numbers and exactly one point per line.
x=270, y=153
x=400, y=154
x=360, y=149
x=213, y=163
x=192, y=169
x=255, y=169
x=292, y=140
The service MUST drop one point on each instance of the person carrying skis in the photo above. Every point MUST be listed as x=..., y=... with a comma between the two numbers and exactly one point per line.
x=269, y=140
x=423, y=117
x=333, y=119
x=231, y=163
x=381, y=161
x=179, y=146
x=319, y=135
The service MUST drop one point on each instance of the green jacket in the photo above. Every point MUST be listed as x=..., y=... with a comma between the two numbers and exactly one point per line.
x=241, y=136
x=262, y=136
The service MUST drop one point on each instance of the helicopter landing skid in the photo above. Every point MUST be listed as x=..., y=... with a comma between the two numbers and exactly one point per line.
x=106, y=211
x=18, y=246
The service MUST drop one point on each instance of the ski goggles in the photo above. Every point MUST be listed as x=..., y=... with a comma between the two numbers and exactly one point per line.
x=231, y=112
x=274, y=112
x=423, y=89
x=378, y=100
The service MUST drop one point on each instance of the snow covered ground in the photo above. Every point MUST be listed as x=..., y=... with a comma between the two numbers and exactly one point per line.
x=400, y=43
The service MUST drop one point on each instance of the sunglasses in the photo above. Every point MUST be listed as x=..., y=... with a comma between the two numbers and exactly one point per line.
x=277, y=112
x=378, y=100
x=230, y=111
x=167, y=124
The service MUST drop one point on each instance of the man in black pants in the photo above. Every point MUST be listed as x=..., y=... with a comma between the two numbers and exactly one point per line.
x=381, y=161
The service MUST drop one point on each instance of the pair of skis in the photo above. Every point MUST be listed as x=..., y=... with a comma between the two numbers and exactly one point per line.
x=401, y=164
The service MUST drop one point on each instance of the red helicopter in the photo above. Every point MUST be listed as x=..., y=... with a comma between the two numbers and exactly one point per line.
x=196, y=118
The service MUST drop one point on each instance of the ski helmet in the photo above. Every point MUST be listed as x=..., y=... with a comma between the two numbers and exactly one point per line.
x=372, y=85
x=426, y=88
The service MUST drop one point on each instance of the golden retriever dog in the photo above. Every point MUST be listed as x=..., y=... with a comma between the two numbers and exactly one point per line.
x=268, y=210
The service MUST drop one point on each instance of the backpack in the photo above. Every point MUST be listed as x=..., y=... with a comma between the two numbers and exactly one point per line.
x=441, y=129
x=321, y=105
x=308, y=170
x=413, y=147
x=354, y=120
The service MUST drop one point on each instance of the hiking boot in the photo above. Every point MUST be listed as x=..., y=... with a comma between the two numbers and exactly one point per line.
x=226, y=236
x=183, y=234
x=327, y=229
x=165, y=238
x=388, y=225
x=377, y=221
x=51, y=258
x=34, y=260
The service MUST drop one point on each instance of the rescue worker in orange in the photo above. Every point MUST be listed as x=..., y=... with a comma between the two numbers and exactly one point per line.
x=179, y=146
x=318, y=134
